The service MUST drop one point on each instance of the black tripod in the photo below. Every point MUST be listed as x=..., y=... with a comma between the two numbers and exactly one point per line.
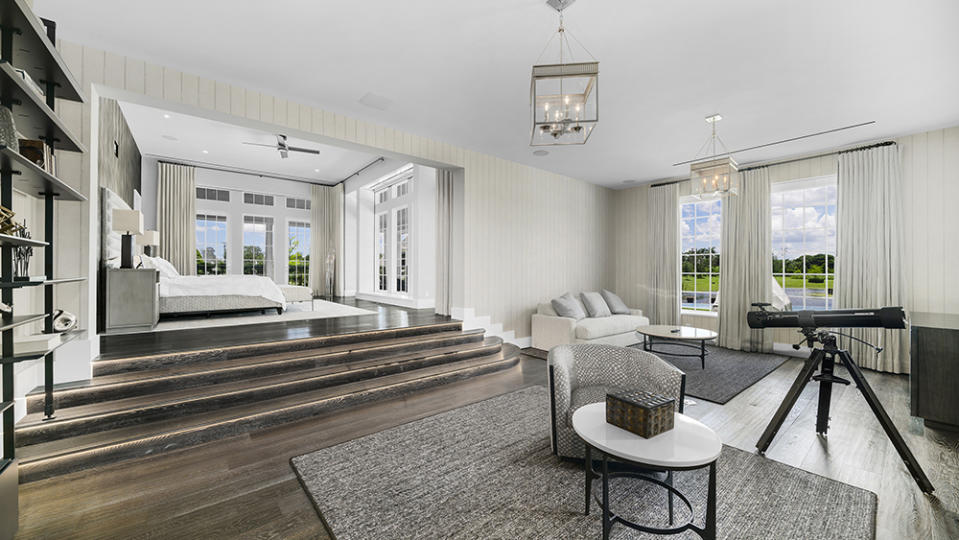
x=826, y=357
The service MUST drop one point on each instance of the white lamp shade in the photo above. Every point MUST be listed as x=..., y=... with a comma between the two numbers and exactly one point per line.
x=127, y=221
x=150, y=238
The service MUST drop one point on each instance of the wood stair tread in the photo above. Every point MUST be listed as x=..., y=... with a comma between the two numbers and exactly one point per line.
x=89, y=442
x=259, y=360
x=202, y=392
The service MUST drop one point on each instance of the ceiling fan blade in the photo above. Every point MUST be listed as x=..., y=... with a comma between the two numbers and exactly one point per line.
x=260, y=144
x=304, y=150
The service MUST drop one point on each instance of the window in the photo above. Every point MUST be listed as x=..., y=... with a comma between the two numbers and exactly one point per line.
x=258, y=199
x=382, y=281
x=382, y=195
x=402, y=188
x=258, y=245
x=804, y=240
x=210, y=194
x=700, y=229
x=299, y=253
x=402, y=249
x=299, y=204
x=210, y=245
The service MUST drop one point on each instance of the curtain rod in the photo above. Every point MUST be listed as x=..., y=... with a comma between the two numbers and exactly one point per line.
x=791, y=160
x=363, y=168
x=248, y=172
x=824, y=154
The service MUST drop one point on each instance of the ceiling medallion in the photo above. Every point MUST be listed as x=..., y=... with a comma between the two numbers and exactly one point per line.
x=714, y=176
x=564, y=97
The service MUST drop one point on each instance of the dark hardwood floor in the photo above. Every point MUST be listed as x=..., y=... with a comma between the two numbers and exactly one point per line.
x=386, y=316
x=242, y=487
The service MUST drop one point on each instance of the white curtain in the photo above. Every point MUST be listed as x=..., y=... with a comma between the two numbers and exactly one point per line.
x=444, y=221
x=746, y=262
x=176, y=215
x=326, y=249
x=869, y=254
x=662, y=260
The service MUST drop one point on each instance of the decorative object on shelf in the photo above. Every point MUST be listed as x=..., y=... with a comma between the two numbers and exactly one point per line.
x=643, y=413
x=22, y=254
x=7, y=225
x=130, y=223
x=150, y=240
x=5, y=308
x=64, y=321
x=8, y=130
x=564, y=97
x=716, y=175
x=35, y=151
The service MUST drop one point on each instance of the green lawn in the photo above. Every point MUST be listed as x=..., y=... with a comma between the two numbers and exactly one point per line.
x=704, y=283
x=796, y=282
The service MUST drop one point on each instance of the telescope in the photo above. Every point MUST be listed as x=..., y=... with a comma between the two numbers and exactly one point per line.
x=815, y=326
x=887, y=317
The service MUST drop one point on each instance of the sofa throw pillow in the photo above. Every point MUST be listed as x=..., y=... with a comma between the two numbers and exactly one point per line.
x=595, y=305
x=568, y=306
x=615, y=303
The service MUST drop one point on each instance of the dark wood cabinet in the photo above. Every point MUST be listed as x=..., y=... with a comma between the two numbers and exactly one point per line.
x=934, y=369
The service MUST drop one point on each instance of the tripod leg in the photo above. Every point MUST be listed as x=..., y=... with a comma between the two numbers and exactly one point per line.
x=910, y=460
x=790, y=400
x=825, y=394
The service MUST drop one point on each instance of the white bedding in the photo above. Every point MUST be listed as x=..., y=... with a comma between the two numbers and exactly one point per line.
x=236, y=285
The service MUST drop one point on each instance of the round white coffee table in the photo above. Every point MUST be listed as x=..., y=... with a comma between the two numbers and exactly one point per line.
x=682, y=336
x=689, y=445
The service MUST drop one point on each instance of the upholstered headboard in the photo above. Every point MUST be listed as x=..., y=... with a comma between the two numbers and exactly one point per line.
x=109, y=239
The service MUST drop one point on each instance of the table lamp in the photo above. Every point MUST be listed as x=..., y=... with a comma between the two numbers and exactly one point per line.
x=150, y=240
x=130, y=223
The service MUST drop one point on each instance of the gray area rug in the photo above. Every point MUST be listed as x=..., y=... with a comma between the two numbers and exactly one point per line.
x=486, y=471
x=727, y=372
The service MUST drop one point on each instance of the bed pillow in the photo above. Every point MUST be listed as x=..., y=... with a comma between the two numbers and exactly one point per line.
x=161, y=265
x=615, y=303
x=595, y=305
x=568, y=306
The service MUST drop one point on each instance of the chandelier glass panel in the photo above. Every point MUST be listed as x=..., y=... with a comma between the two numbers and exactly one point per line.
x=564, y=97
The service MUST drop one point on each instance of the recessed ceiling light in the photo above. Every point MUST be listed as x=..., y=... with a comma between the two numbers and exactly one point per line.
x=206, y=151
x=316, y=170
x=170, y=137
x=540, y=153
x=629, y=181
x=165, y=115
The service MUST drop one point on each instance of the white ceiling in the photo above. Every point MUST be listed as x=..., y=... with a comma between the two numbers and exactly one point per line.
x=459, y=70
x=198, y=140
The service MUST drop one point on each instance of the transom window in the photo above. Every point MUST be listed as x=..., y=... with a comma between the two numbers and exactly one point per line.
x=210, y=245
x=258, y=245
x=299, y=253
x=211, y=194
x=700, y=229
x=804, y=240
x=299, y=204
x=258, y=199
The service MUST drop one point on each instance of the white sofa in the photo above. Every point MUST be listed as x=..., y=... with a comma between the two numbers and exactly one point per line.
x=550, y=330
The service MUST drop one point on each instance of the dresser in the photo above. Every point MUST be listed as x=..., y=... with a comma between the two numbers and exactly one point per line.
x=132, y=299
x=934, y=369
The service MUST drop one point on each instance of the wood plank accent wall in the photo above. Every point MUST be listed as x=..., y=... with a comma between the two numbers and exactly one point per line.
x=530, y=234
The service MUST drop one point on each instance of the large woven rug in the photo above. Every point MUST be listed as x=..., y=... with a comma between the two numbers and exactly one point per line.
x=486, y=471
x=727, y=372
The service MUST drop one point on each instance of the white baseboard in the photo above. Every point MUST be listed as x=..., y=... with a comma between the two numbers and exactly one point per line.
x=412, y=303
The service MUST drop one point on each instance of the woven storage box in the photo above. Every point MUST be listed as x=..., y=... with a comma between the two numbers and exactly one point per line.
x=642, y=413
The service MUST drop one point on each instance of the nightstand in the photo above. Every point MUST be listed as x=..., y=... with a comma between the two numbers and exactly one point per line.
x=132, y=299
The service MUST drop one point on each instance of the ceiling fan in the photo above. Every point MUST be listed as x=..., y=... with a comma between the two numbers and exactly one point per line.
x=284, y=148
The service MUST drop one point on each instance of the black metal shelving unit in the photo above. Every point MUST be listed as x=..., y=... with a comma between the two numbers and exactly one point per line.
x=27, y=43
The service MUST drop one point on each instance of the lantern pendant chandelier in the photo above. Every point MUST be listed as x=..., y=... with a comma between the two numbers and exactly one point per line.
x=714, y=176
x=564, y=97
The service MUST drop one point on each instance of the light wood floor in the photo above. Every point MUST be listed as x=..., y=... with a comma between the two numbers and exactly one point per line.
x=244, y=487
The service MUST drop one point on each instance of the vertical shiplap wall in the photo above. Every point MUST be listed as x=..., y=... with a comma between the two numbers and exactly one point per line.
x=630, y=245
x=930, y=163
x=530, y=234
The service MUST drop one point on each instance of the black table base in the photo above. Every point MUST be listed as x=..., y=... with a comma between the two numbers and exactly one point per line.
x=707, y=532
x=648, y=346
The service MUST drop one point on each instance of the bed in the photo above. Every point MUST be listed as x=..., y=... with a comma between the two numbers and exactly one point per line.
x=190, y=295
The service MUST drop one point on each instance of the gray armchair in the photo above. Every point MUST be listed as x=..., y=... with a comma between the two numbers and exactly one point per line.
x=582, y=374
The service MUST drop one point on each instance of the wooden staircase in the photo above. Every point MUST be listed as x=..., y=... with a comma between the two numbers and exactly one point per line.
x=140, y=406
